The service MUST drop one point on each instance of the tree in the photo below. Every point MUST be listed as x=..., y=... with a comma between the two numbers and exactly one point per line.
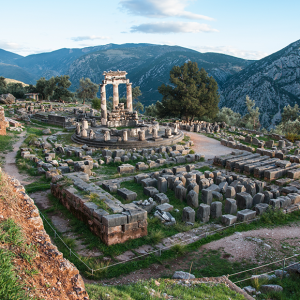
x=251, y=119
x=87, y=89
x=228, y=116
x=151, y=110
x=192, y=93
x=16, y=89
x=61, y=88
x=136, y=92
x=138, y=106
x=290, y=113
x=40, y=87
x=96, y=103
x=2, y=85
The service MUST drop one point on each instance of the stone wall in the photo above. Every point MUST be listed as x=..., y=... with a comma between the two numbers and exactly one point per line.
x=111, y=228
x=3, y=123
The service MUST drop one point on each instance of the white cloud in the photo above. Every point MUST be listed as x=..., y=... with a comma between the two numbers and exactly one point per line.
x=246, y=54
x=89, y=38
x=160, y=9
x=9, y=45
x=172, y=27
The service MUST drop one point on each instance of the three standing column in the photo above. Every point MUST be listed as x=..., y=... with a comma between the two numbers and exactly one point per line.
x=129, y=96
x=115, y=95
x=103, y=104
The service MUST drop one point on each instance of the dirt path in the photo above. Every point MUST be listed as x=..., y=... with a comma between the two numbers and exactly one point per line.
x=258, y=246
x=10, y=162
x=207, y=146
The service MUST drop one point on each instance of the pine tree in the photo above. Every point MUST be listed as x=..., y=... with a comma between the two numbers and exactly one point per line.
x=192, y=93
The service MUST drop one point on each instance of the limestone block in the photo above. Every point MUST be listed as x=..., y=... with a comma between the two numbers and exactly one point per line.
x=193, y=186
x=150, y=191
x=161, y=198
x=192, y=199
x=165, y=207
x=217, y=196
x=203, y=212
x=206, y=196
x=188, y=215
x=251, y=188
x=149, y=182
x=244, y=200
x=295, y=198
x=223, y=186
x=228, y=219
x=275, y=203
x=268, y=196
x=230, y=192
x=127, y=194
x=261, y=208
x=246, y=215
x=162, y=184
x=114, y=220
x=138, y=178
x=125, y=169
x=285, y=201
x=180, y=192
x=230, y=206
x=216, y=209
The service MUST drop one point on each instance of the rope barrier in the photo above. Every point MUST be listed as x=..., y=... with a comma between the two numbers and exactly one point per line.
x=207, y=233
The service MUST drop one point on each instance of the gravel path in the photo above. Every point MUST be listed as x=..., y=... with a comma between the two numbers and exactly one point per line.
x=10, y=162
x=207, y=146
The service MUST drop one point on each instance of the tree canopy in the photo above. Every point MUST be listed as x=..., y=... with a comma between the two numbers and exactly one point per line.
x=251, y=119
x=54, y=88
x=192, y=93
x=87, y=89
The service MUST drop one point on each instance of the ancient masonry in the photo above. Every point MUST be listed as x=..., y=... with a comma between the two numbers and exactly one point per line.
x=3, y=122
x=118, y=116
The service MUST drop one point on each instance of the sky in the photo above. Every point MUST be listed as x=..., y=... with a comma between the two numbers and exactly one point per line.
x=247, y=29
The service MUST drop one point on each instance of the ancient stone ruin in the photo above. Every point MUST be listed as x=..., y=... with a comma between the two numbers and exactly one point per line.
x=3, y=123
x=119, y=116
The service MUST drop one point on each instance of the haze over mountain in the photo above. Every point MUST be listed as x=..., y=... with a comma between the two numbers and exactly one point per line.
x=272, y=82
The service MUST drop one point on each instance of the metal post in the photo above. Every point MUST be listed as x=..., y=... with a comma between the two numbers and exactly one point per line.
x=283, y=267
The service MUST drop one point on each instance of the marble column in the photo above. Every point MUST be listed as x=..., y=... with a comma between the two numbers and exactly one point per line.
x=103, y=104
x=129, y=96
x=115, y=95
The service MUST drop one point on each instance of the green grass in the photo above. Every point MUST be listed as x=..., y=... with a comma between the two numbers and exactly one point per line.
x=42, y=184
x=143, y=290
x=11, y=287
x=6, y=142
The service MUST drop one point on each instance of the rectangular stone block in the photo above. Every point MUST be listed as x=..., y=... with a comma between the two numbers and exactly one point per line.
x=228, y=219
x=114, y=220
x=127, y=194
x=246, y=215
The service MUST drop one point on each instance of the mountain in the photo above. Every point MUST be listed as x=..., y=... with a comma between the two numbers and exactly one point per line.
x=7, y=57
x=149, y=66
x=273, y=82
x=15, y=72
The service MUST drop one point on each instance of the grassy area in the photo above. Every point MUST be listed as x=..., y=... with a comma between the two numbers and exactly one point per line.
x=12, y=246
x=159, y=289
x=42, y=184
x=6, y=142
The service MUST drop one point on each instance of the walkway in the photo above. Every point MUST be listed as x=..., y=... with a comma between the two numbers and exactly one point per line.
x=207, y=146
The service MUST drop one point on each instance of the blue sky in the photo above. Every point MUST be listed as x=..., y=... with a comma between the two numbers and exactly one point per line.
x=247, y=29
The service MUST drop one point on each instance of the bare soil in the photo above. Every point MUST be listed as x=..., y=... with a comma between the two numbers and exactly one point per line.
x=258, y=246
x=207, y=146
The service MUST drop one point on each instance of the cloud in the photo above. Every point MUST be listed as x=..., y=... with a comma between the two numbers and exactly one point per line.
x=246, y=54
x=9, y=45
x=172, y=27
x=160, y=9
x=89, y=38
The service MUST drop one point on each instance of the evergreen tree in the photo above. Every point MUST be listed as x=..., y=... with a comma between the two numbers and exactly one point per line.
x=290, y=113
x=251, y=119
x=192, y=93
x=87, y=89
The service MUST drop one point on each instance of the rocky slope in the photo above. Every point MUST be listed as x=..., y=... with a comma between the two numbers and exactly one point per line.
x=273, y=82
x=37, y=262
